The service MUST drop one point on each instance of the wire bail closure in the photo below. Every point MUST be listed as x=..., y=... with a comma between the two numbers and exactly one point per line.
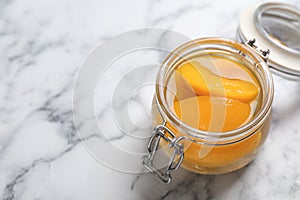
x=162, y=132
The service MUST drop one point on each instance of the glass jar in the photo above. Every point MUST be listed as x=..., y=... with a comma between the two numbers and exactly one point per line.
x=275, y=27
x=202, y=151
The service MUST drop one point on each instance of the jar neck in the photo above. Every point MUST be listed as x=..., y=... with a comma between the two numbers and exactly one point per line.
x=228, y=46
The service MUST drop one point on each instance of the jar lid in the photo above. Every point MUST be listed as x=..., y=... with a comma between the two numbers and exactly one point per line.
x=275, y=26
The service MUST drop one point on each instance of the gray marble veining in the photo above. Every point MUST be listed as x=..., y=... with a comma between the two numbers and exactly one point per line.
x=42, y=44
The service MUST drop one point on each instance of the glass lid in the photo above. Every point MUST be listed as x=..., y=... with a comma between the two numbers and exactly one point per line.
x=275, y=26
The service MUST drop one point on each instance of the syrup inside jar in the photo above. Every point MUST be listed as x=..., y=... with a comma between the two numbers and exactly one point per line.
x=217, y=93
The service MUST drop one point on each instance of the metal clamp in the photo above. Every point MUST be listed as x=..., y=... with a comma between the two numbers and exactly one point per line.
x=263, y=53
x=162, y=132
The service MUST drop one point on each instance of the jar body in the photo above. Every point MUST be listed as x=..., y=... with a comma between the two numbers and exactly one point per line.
x=221, y=154
x=207, y=159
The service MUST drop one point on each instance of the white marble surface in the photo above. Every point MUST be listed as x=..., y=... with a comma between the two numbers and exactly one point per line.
x=42, y=44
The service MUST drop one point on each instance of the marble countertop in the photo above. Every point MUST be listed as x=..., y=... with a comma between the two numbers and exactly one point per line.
x=43, y=43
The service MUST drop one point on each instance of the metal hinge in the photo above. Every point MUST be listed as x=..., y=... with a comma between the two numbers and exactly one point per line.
x=263, y=53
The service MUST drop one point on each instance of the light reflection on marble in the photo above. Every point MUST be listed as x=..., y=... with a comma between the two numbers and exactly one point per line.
x=42, y=44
